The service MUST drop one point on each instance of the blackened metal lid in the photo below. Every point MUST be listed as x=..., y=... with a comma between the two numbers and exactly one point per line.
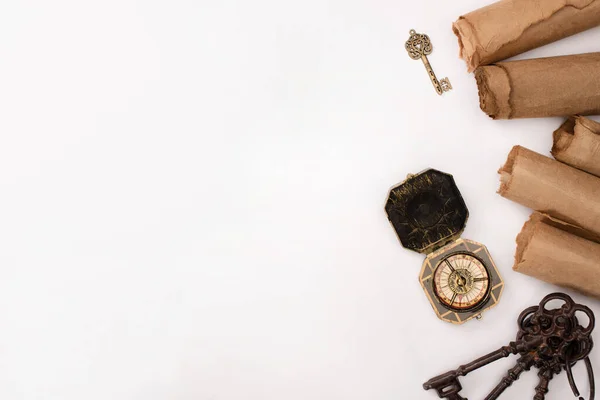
x=427, y=211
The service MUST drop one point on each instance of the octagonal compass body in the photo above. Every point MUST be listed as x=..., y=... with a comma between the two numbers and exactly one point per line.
x=458, y=276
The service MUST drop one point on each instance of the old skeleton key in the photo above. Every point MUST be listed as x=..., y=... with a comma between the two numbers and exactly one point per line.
x=550, y=340
x=419, y=47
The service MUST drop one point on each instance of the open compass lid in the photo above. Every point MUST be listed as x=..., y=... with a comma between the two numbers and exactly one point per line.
x=427, y=211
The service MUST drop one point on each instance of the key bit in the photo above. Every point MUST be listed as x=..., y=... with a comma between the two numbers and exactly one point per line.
x=418, y=47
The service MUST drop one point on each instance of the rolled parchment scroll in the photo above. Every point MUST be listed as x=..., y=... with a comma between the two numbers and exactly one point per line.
x=553, y=188
x=510, y=27
x=577, y=143
x=553, y=252
x=541, y=87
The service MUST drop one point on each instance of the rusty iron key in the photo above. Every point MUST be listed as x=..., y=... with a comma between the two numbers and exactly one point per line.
x=419, y=47
x=551, y=340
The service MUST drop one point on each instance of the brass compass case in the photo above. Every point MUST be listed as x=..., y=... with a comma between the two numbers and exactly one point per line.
x=458, y=276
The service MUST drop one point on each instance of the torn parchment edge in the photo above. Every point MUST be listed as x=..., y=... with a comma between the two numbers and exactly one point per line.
x=530, y=228
x=471, y=48
x=571, y=129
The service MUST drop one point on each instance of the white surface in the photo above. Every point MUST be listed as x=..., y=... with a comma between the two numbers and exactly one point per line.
x=192, y=200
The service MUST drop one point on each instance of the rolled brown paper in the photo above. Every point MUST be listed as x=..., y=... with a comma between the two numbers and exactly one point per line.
x=547, y=252
x=577, y=143
x=551, y=187
x=541, y=87
x=510, y=27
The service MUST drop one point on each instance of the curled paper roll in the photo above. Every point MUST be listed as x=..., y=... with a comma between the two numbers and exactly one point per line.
x=551, y=187
x=549, y=250
x=542, y=87
x=510, y=27
x=577, y=143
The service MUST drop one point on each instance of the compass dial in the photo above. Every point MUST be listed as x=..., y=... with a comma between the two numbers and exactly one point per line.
x=461, y=281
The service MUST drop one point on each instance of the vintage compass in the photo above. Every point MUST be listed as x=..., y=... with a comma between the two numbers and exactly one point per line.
x=458, y=276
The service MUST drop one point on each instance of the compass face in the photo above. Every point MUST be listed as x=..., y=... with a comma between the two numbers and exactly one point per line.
x=461, y=281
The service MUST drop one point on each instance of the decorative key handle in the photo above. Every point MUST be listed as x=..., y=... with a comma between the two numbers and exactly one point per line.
x=419, y=47
x=549, y=340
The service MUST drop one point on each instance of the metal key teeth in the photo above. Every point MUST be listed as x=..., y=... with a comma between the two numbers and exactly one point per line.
x=446, y=85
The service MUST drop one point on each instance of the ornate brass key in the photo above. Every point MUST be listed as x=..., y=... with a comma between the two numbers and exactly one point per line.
x=419, y=47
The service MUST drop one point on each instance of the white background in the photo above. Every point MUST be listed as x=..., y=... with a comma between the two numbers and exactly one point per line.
x=192, y=200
